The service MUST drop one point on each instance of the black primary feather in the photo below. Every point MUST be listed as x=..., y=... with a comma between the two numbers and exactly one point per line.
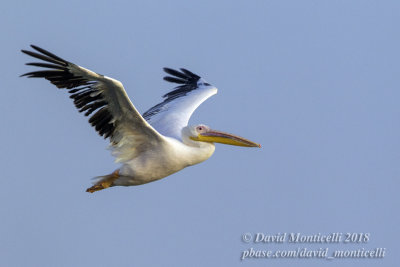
x=187, y=81
x=83, y=91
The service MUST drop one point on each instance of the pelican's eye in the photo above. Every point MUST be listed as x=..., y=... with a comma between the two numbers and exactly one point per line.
x=201, y=129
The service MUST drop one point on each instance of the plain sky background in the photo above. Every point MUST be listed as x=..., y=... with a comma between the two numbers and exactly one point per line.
x=315, y=82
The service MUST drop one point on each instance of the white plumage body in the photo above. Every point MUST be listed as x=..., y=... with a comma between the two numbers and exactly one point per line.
x=170, y=157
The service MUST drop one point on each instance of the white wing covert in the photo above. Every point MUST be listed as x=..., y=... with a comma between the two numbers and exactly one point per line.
x=115, y=116
x=171, y=115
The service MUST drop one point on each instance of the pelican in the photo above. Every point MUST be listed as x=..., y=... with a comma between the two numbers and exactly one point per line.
x=150, y=146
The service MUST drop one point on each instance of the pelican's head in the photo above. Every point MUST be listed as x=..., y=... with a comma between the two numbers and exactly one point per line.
x=203, y=133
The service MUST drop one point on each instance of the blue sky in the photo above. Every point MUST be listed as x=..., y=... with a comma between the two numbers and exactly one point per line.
x=315, y=82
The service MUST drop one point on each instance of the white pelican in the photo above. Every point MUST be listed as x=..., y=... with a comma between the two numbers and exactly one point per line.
x=152, y=146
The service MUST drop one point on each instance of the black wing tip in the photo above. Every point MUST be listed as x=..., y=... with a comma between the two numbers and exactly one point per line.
x=35, y=47
x=168, y=70
x=189, y=73
x=32, y=46
x=174, y=80
x=45, y=55
x=182, y=72
x=57, y=72
x=181, y=76
x=27, y=75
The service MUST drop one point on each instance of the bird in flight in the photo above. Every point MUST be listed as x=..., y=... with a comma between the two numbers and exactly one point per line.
x=150, y=146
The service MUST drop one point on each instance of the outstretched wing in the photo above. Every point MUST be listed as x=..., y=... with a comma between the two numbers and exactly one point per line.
x=112, y=113
x=171, y=115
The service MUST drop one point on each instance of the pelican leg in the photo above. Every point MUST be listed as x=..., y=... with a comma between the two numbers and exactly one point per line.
x=104, y=183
